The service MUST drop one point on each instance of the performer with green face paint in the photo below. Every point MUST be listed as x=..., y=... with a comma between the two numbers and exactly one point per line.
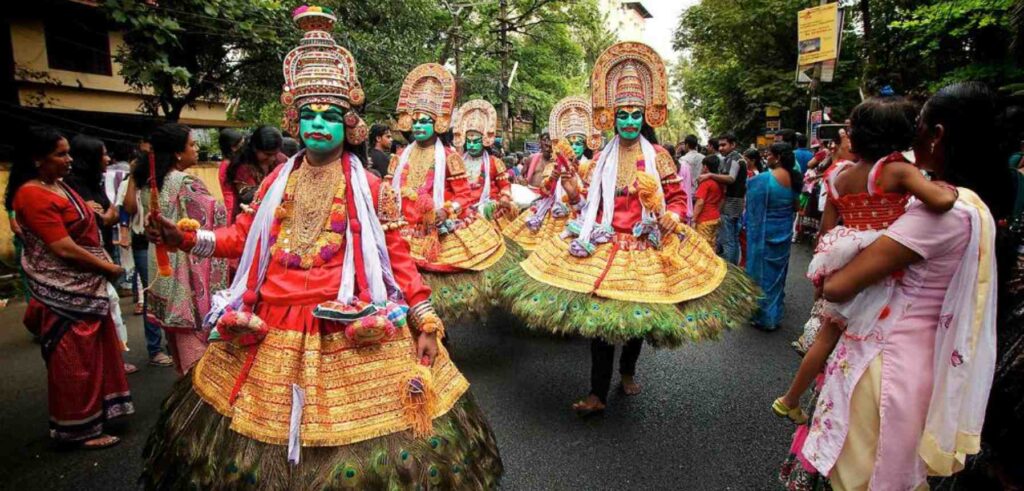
x=474, y=128
x=569, y=123
x=455, y=247
x=326, y=372
x=625, y=269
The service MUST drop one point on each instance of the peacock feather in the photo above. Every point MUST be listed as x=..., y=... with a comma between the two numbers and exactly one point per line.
x=193, y=447
x=547, y=308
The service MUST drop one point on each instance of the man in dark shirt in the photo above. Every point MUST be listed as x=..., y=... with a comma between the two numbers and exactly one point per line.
x=380, y=156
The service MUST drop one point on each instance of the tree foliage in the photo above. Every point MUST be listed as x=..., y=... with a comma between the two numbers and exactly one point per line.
x=180, y=52
x=740, y=55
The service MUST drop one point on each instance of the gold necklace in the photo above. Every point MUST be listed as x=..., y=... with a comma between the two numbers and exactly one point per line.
x=421, y=162
x=314, y=193
x=312, y=216
x=628, y=157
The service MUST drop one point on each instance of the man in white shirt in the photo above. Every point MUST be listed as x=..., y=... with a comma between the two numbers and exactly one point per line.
x=692, y=159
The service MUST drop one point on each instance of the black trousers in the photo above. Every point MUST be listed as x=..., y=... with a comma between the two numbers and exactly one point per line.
x=602, y=357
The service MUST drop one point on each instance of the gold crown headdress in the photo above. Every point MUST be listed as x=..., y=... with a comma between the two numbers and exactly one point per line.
x=428, y=88
x=318, y=71
x=477, y=115
x=629, y=74
x=572, y=116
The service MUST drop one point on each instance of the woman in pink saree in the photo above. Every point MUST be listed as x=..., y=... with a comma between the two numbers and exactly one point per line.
x=178, y=303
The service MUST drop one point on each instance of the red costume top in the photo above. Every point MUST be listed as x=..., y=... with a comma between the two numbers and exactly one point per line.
x=499, y=182
x=285, y=286
x=418, y=179
x=628, y=209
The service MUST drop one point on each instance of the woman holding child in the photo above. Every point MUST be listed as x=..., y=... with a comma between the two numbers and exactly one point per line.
x=926, y=355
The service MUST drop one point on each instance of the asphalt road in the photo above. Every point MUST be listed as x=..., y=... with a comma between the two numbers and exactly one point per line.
x=702, y=422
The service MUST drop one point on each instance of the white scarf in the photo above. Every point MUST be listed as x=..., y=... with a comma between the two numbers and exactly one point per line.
x=965, y=350
x=375, y=255
x=439, y=171
x=603, y=186
x=485, y=172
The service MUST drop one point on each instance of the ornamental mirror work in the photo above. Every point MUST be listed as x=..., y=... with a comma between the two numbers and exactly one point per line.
x=570, y=120
x=629, y=75
x=429, y=89
x=474, y=126
x=320, y=81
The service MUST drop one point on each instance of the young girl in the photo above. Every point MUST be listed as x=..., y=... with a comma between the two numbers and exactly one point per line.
x=868, y=195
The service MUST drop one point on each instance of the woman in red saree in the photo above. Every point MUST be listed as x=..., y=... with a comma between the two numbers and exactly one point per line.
x=69, y=310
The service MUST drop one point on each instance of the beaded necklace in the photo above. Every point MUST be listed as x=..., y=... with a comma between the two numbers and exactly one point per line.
x=309, y=225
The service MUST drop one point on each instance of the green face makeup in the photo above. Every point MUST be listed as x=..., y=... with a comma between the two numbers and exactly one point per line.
x=475, y=145
x=629, y=123
x=322, y=127
x=423, y=128
x=579, y=144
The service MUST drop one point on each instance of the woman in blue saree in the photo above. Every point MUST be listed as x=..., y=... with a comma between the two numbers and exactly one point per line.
x=771, y=209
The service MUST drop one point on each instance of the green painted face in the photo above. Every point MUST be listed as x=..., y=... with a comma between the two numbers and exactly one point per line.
x=579, y=144
x=628, y=121
x=322, y=127
x=475, y=145
x=423, y=128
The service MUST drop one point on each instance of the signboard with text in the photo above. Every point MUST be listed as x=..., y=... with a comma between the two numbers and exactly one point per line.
x=817, y=33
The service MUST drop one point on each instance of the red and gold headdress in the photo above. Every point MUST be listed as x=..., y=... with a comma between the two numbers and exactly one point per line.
x=428, y=88
x=629, y=74
x=477, y=115
x=318, y=71
x=572, y=116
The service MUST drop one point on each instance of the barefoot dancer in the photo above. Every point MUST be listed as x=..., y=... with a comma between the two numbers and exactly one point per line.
x=318, y=381
x=627, y=269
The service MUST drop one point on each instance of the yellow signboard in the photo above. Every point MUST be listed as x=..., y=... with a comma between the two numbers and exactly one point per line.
x=817, y=33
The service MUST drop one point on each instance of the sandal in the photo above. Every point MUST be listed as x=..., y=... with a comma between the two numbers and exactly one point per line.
x=795, y=414
x=139, y=309
x=101, y=442
x=129, y=368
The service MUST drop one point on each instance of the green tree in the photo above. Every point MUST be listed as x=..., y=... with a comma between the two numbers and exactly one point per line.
x=181, y=52
x=740, y=55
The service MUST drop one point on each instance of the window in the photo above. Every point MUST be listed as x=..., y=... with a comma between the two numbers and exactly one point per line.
x=73, y=46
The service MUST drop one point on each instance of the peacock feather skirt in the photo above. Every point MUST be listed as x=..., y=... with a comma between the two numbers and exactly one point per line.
x=629, y=289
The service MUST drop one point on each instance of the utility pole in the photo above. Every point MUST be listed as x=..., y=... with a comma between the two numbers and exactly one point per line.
x=503, y=40
x=813, y=88
x=456, y=20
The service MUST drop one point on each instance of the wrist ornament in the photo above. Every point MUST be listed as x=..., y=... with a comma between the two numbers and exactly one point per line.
x=425, y=320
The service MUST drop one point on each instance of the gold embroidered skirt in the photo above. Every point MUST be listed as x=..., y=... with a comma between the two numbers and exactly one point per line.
x=529, y=239
x=353, y=431
x=352, y=393
x=627, y=289
x=474, y=246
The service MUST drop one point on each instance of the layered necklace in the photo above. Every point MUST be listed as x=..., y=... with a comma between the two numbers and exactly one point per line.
x=309, y=224
x=625, y=178
x=421, y=163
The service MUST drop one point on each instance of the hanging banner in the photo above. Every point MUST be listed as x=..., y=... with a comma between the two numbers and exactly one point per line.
x=818, y=33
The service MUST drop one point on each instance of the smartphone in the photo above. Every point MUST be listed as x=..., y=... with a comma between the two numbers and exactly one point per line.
x=829, y=132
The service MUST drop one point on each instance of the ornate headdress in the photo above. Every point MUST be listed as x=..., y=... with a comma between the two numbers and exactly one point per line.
x=318, y=71
x=428, y=88
x=477, y=115
x=629, y=74
x=572, y=116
